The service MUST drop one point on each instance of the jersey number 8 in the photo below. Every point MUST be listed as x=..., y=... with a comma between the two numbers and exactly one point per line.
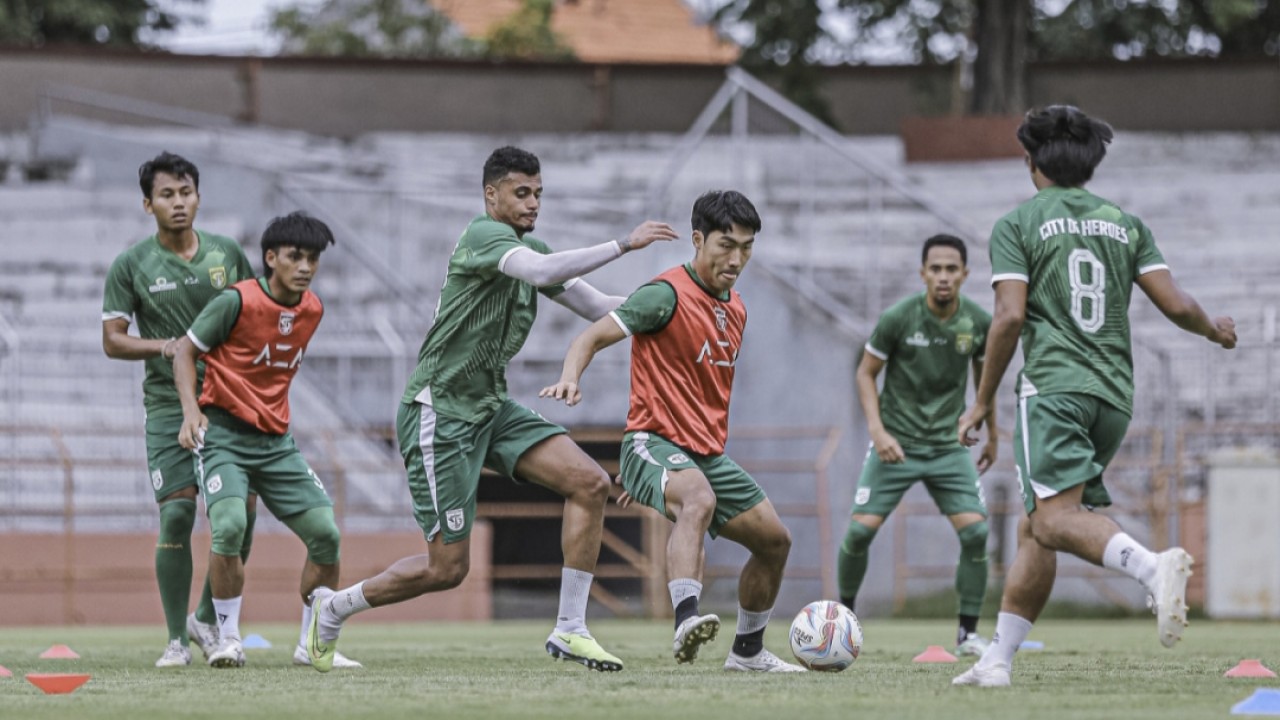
x=1088, y=316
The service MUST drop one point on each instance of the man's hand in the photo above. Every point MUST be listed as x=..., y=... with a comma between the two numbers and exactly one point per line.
x=191, y=436
x=1224, y=332
x=619, y=494
x=647, y=233
x=887, y=448
x=989, y=453
x=970, y=421
x=565, y=390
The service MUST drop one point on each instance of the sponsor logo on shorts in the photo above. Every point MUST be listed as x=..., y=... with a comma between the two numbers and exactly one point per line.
x=454, y=519
x=213, y=484
x=218, y=277
x=157, y=479
x=286, y=322
x=863, y=495
x=678, y=459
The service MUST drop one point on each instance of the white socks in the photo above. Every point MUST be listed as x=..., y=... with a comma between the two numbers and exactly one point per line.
x=346, y=603
x=575, y=589
x=1011, y=630
x=306, y=624
x=228, y=612
x=682, y=589
x=1127, y=555
x=749, y=622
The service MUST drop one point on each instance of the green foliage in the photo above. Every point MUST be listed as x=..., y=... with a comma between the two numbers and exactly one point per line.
x=116, y=23
x=381, y=28
x=527, y=35
x=1124, y=29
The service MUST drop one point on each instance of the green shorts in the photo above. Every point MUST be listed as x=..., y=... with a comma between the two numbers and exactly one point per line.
x=237, y=459
x=948, y=473
x=1063, y=440
x=170, y=465
x=647, y=458
x=444, y=457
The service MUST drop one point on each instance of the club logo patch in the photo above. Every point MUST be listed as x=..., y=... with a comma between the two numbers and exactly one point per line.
x=218, y=277
x=964, y=343
x=678, y=459
x=157, y=479
x=722, y=318
x=863, y=495
x=286, y=322
x=213, y=485
x=454, y=519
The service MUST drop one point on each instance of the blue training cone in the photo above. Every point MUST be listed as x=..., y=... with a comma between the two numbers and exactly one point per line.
x=1031, y=645
x=255, y=642
x=1263, y=701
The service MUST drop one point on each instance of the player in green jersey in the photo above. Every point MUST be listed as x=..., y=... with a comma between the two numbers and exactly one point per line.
x=1064, y=265
x=928, y=341
x=163, y=282
x=455, y=415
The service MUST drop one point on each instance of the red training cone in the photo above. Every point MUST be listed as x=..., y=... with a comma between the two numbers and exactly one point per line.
x=57, y=683
x=5, y=672
x=934, y=654
x=60, y=652
x=1249, y=668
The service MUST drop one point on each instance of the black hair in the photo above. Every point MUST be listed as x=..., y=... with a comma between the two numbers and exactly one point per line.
x=943, y=240
x=721, y=209
x=297, y=229
x=166, y=162
x=507, y=160
x=1064, y=143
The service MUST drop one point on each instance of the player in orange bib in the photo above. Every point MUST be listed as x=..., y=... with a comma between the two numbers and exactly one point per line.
x=686, y=328
x=253, y=338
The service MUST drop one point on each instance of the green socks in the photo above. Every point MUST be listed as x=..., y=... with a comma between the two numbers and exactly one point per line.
x=971, y=571
x=851, y=561
x=173, y=563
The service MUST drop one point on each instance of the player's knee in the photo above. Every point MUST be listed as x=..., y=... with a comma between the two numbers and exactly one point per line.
x=177, y=518
x=774, y=545
x=974, y=535
x=592, y=482
x=698, y=505
x=857, y=539
x=452, y=571
x=319, y=532
x=227, y=523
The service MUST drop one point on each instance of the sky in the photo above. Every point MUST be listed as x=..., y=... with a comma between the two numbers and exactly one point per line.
x=233, y=27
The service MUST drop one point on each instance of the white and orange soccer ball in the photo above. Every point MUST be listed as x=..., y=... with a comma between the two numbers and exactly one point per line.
x=826, y=636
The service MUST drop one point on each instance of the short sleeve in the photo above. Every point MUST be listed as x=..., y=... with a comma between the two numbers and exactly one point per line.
x=885, y=337
x=647, y=310
x=1146, y=255
x=484, y=245
x=213, y=325
x=1008, y=257
x=118, y=299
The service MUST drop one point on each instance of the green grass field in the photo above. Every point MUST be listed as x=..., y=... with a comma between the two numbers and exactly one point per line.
x=1089, y=669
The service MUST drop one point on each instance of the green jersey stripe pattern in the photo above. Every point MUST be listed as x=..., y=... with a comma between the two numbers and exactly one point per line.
x=1080, y=255
x=164, y=293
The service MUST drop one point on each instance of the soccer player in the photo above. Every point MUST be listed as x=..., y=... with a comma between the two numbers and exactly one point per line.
x=455, y=415
x=163, y=282
x=1063, y=265
x=686, y=328
x=253, y=338
x=928, y=341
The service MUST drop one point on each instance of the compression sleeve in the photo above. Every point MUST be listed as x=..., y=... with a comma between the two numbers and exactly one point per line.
x=585, y=300
x=539, y=270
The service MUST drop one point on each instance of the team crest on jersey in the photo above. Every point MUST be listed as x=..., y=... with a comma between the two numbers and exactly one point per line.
x=964, y=343
x=218, y=277
x=454, y=519
x=286, y=322
x=722, y=318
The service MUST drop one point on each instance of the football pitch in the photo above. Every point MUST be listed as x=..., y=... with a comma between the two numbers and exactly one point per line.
x=1088, y=669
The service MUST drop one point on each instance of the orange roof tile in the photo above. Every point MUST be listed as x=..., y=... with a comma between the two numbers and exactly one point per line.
x=610, y=31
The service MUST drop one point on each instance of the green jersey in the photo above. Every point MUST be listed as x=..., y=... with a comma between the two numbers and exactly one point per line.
x=1079, y=255
x=164, y=294
x=482, y=321
x=927, y=369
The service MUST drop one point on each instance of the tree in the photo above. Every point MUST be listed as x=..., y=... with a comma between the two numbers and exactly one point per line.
x=118, y=23
x=994, y=37
x=527, y=35
x=383, y=28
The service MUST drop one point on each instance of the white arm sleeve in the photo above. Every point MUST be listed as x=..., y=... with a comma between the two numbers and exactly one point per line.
x=541, y=270
x=588, y=302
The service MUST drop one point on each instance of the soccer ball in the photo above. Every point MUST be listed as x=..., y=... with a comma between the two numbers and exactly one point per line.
x=826, y=636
